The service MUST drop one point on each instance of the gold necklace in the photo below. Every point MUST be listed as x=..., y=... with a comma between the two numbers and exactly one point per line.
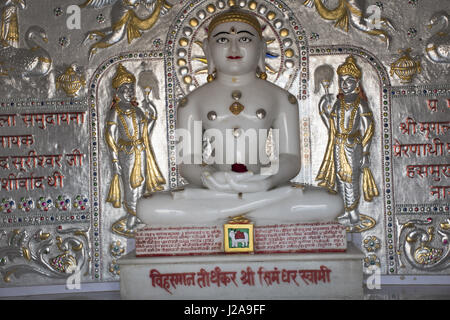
x=131, y=113
x=349, y=105
x=344, y=107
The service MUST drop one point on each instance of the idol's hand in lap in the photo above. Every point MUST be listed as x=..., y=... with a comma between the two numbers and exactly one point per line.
x=248, y=182
x=215, y=181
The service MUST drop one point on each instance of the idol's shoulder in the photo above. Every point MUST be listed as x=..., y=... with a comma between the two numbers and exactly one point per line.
x=364, y=106
x=199, y=94
x=269, y=88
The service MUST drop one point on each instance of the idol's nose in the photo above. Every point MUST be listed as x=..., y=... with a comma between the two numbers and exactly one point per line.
x=234, y=47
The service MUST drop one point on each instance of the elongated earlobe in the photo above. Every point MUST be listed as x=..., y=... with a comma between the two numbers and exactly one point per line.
x=262, y=61
x=211, y=66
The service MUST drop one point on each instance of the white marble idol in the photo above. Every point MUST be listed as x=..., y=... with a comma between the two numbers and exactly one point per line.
x=223, y=129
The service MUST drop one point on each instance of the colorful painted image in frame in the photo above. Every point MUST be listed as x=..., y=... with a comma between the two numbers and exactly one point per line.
x=238, y=237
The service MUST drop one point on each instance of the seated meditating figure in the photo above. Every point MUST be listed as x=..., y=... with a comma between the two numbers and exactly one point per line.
x=223, y=129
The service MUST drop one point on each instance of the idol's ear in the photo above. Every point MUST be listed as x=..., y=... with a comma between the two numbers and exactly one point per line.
x=211, y=66
x=262, y=57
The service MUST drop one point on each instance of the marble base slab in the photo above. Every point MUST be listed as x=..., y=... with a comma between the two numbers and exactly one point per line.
x=281, y=238
x=336, y=275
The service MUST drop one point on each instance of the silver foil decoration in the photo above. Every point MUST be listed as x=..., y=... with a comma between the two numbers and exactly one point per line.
x=128, y=131
x=71, y=81
x=350, y=124
x=10, y=22
x=424, y=247
x=353, y=13
x=172, y=51
x=125, y=21
x=33, y=61
x=438, y=46
x=27, y=69
x=52, y=255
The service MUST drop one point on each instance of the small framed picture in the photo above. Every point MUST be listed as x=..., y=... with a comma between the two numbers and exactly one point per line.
x=238, y=237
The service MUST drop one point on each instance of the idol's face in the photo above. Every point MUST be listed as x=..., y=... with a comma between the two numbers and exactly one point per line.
x=348, y=84
x=235, y=48
x=126, y=92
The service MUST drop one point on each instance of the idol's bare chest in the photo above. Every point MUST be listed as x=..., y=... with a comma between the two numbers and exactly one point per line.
x=129, y=123
x=347, y=119
x=227, y=111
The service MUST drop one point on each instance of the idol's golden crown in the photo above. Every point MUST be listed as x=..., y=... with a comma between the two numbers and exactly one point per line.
x=235, y=15
x=122, y=76
x=349, y=68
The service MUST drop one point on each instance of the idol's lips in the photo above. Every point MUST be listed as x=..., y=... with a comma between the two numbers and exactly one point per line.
x=234, y=57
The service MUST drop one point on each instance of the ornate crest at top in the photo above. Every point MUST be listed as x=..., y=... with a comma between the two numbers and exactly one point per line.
x=405, y=67
x=70, y=82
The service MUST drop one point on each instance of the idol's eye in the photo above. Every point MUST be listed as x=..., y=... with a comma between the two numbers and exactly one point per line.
x=245, y=39
x=350, y=82
x=222, y=40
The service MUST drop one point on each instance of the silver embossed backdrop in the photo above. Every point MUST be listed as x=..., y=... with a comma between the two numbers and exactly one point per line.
x=64, y=210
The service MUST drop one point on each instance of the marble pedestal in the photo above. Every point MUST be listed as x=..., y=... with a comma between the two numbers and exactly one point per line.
x=335, y=275
x=268, y=239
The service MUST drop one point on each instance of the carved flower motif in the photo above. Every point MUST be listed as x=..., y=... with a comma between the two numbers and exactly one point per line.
x=412, y=32
x=314, y=36
x=371, y=244
x=62, y=203
x=57, y=11
x=100, y=18
x=26, y=204
x=116, y=249
x=44, y=203
x=63, y=41
x=114, y=268
x=157, y=43
x=80, y=202
x=7, y=205
x=371, y=260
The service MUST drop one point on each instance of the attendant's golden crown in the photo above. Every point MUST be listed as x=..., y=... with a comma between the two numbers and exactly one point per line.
x=235, y=15
x=349, y=68
x=122, y=76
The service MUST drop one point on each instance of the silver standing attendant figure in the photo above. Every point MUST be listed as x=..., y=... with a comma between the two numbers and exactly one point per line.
x=10, y=22
x=127, y=134
x=351, y=127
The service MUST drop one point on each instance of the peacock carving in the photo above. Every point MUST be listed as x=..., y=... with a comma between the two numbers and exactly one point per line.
x=25, y=63
x=438, y=46
x=421, y=247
